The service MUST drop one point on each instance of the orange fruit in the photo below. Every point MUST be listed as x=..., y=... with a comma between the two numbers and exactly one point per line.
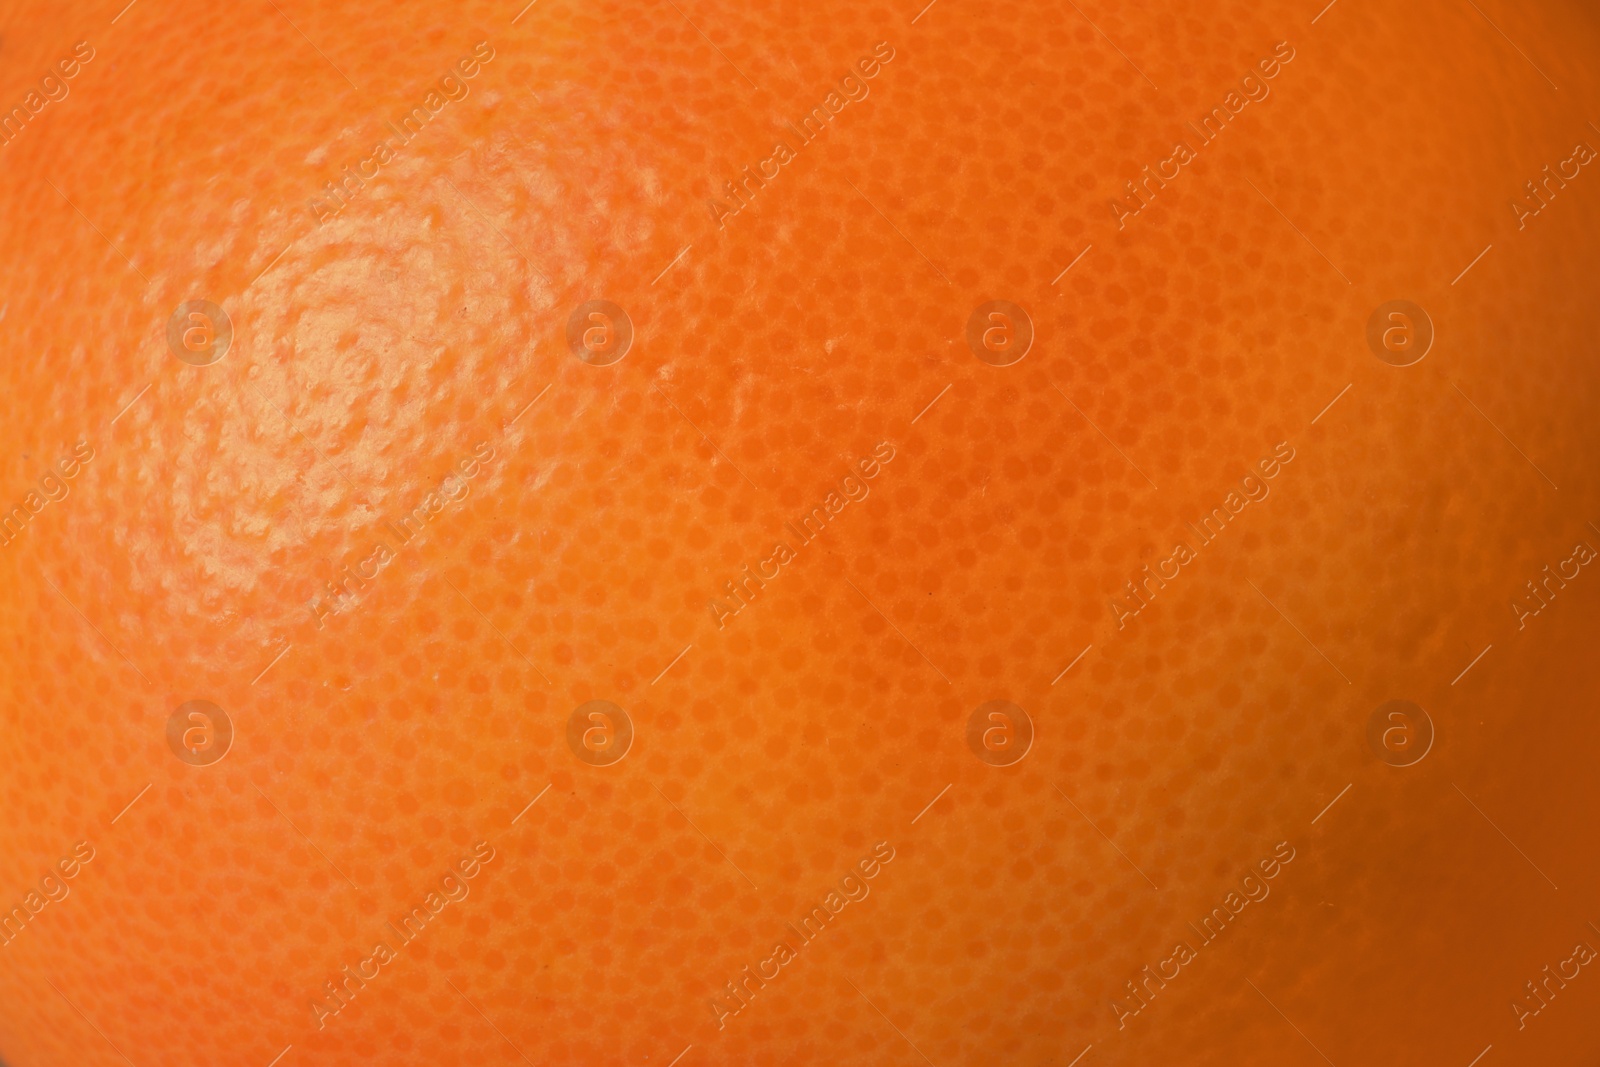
x=688, y=534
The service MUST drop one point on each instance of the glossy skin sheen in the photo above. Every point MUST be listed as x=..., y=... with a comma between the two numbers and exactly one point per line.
x=418, y=513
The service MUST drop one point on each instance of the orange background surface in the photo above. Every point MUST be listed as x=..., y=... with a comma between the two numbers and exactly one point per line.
x=375, y=349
